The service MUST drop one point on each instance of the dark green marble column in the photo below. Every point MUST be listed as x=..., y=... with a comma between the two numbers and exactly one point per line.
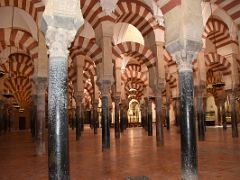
x=105, y=88
x=200, y=113
x=78, y=98
x=234, y=120
x=188, y=129
x=150, y=116
x=116, y=124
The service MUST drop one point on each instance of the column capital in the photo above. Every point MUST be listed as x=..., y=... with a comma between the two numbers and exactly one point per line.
x=105, y=87
x=60, y=23
x=184, y=59
x=117, y=99
x=184, y=52
x=58, y=41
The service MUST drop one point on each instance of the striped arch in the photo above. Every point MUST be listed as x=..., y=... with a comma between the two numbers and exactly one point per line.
x=20, y=87
x=93, y=13
x=167, y=5
x=217, y=32
x=231, y=8
x=21, y=65
x=133, y=72
x=19, y=38
x=134, y=90
x=171, y=80
x=216, y=62
x=137, y=14
x=136, y=50
x=85, y=46
x=135, y=81
x=34, y=8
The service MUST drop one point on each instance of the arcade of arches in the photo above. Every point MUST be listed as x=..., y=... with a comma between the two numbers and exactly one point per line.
x=115, y=65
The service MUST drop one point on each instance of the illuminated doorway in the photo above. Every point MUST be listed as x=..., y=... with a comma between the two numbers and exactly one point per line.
x=134, y=113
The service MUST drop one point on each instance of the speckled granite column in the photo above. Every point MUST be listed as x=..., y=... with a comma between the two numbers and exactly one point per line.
x=105, y=87
x=150, y=117
x=41, y=84
x=78, y=114
x=58, y=154
x=233, y=114
x=117, y=125
x=159, y=121
x=188, y=130
x=200, y=114
x=60, y=24
x=189, y=162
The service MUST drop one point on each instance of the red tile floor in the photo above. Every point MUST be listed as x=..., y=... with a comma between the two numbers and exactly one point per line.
x=135, y=154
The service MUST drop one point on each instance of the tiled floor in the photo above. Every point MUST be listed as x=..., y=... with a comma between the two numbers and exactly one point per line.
x=135, y=154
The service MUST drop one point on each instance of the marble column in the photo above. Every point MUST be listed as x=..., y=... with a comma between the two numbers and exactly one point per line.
x=159, y=120
x=34, y=115
x=78, y=98
x=41, y=85
x=200, y=113
x=177, y=111
x=184, y=60
x=188, y=132
x=146, y=113
x=121, y=117
x=95, y=116
x=219, y=115
x=232, y=98
x=167, y=114
x=150, y=116
x=82, y=117
x=117, y=125
x=60, y=25
x=223, y=117
x=105, y=88
x=125, y=115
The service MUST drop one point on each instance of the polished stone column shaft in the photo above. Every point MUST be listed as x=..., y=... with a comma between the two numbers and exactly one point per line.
x=117, y=125
x=78, y=116
x=188, y=130
x=146, y=114
x=58, y=155
x=105, y=88
x=95, y=116
x=105, y=124
x=233, y=114
x=121, y=118
x=167, y=114
x=219, y=115
x=41, y=84
x=200, y=117
x=223, y=114
x=149, y=117
x=159, y=121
